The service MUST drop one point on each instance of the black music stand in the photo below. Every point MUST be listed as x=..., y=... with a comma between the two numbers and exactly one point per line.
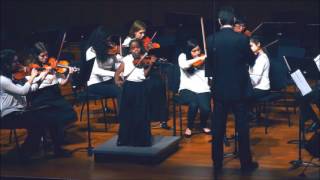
x=299, y=162
x=80, y=82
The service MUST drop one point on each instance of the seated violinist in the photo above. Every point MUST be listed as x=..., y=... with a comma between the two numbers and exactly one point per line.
x=62, y=112
x=194, y=89
x=134, y=127
x=13, y=102
x=240, y=26
x=259, y=72
x=99, y=50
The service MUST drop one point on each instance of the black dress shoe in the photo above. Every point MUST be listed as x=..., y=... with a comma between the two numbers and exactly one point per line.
x=247, y=168
x=164, y=125
x=62, y=153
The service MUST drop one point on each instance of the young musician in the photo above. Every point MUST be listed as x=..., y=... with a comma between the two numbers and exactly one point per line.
x=13, y=102
x=156, y=89
x=134, y=127
x=49, y=93
x=231, y=87
x=104, y=64
x=194, y=89
x=137, y=31
x=259, y=72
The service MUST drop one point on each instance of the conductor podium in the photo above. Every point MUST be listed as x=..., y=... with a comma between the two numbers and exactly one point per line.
x=162, y=147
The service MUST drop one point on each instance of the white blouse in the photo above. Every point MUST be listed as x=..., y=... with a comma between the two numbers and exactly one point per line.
x=132, y=73
x=196, y=82
x=259, y=72
x=97, y=74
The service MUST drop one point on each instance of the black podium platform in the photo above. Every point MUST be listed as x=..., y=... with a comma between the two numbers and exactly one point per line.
x=163, y=146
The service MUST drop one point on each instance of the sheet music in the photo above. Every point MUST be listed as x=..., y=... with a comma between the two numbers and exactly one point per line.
x=301, y=82
x=317, y=61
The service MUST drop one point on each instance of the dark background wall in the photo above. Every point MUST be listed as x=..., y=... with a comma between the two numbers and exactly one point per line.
x=20, y=18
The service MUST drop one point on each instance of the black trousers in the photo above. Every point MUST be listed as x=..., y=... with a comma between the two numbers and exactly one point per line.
x=196, y=101
x=23, y=119
x=219, y=118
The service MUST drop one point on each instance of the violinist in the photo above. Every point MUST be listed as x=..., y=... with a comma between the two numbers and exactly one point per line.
x=13, y=101
x=259, y=72
x=240, y=26
x=156, y=88
x=49, y=93
x=137, y=31
x=134, y=127
x=40, y=60
x=194, y=89
x=99, y=51
x=14, y=109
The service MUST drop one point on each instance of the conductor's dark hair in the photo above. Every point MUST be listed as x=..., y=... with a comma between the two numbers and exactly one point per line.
x=226, y=16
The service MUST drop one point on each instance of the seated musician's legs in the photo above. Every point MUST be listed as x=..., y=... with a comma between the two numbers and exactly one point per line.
x=205, y=108
x=190, y=98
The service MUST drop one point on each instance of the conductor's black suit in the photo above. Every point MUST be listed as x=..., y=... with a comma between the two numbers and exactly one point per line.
x=229, y=56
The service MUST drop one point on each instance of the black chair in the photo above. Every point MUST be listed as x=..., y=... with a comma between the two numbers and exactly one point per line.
x=82, y=95
x=278, y=80
x=173, y=82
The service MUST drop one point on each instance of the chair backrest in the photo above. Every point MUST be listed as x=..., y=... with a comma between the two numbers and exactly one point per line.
x=173, y=78
x=278, y=75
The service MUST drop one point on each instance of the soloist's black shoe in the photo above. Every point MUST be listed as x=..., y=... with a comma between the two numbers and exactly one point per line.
x=247, y=168
x=164, y=125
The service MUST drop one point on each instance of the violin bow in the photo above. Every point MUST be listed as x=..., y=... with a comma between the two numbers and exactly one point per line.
x=271, y=43
x=203, y=36
x=139, y=62
x=120, y=45
x=61, y=45
x=153, y=36
x=256, y=28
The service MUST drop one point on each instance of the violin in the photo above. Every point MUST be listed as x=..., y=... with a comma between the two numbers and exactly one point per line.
x=148, y=44
x=198, y=64
x=58, y=66
x=21, y=73
x=144, y=61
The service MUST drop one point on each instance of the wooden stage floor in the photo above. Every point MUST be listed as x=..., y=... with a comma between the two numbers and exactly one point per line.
x=191, y=161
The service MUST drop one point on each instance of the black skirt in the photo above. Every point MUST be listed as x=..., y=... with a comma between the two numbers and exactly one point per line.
x=134, y=127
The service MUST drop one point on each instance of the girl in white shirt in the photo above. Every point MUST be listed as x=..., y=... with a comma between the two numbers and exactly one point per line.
x=259, y=72
x=137, y=31
x=13, y=102
x=134, y=127
x=155, y=84
x=61, y=112
x=194, y=89
x=101, y=65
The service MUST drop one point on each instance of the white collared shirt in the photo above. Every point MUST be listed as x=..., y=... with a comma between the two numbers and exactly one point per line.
x=196, y=82
x=259, y=72
x=97, y=74
x=132, y=73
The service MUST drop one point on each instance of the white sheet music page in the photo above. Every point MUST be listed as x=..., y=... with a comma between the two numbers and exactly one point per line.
x=301, y=82
x=317, y=61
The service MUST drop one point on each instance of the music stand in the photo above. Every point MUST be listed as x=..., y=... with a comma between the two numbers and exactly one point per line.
x=81, y=82
x=305, y=89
